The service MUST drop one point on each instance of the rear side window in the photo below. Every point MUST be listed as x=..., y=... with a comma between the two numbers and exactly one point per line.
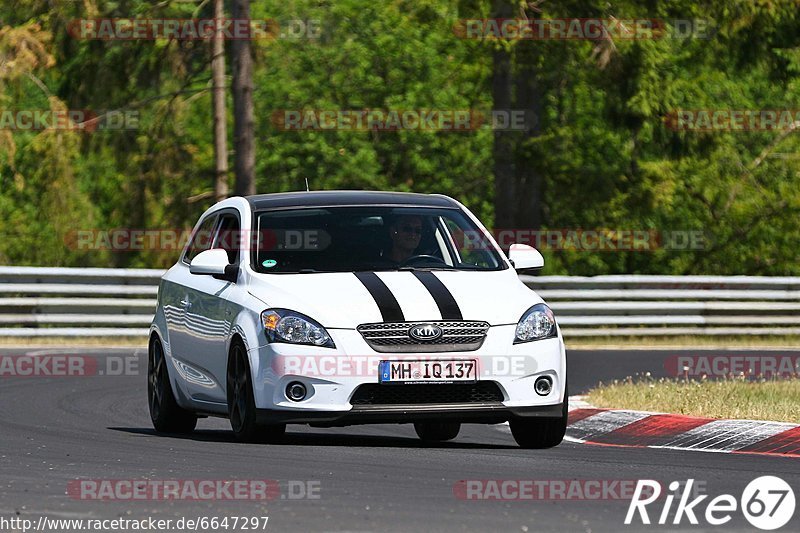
x=466, y=248
x=201, y=240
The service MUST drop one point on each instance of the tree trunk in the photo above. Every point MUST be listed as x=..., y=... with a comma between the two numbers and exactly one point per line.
x=504, y=194
x=218, y=95
x=529, y=186
x=243, y=120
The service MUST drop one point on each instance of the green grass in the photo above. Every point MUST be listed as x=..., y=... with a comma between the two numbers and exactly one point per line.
x=730, y=398
x=686, y=341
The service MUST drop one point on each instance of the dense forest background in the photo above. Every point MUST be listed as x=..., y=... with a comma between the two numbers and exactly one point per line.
x=599, y=156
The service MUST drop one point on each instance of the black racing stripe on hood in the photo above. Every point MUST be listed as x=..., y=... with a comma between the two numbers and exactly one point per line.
x=441, y=295
x=387, y=303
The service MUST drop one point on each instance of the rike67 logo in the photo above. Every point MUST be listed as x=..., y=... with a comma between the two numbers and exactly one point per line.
x=767, y=502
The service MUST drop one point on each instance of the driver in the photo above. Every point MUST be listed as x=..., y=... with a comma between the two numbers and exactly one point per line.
x=405, y=232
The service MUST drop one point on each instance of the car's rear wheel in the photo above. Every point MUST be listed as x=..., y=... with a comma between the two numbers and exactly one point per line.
x=437, y=431
x=166, y=414
x=539, y=433
x=241, y=401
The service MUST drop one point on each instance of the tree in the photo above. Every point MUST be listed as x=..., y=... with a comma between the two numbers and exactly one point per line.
x=505, y=198
x=218, y=96
x=243, y=120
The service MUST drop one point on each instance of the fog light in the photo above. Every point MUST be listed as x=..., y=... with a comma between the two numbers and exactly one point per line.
x=543, y=385
x=296, y=391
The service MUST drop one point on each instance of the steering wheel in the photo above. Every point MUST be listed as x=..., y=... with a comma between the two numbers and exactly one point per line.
x=423, y=258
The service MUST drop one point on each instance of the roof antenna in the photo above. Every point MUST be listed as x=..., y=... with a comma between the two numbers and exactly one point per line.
x=307, y=190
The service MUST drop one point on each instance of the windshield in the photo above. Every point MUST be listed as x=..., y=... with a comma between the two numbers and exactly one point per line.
x=370, y=238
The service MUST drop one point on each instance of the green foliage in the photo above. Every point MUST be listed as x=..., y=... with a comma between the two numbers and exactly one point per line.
x=602, y=147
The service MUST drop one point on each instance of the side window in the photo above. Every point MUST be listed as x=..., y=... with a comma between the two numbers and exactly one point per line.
x=227, y=236
x=201, y=239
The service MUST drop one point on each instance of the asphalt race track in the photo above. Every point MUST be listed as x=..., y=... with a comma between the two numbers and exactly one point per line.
x=55, y=430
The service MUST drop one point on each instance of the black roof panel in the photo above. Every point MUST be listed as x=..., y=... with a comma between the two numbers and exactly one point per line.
x=343, y=198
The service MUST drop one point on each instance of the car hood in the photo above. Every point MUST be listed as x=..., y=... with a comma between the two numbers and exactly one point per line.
x=343, y=300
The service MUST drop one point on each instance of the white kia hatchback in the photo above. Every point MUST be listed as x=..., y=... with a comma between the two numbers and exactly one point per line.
x=347, y=307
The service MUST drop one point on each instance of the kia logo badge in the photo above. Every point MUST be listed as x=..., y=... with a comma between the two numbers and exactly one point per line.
x=425, y=332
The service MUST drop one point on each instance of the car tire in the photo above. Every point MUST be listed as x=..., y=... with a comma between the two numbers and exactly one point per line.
x=241, y=401
x=437, y=431
x=541, y=433
x=166, y=414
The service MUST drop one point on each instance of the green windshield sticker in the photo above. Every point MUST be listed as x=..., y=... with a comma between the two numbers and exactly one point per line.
x=269, y=263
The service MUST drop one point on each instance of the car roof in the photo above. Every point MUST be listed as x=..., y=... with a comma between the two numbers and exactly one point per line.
x=344, y=198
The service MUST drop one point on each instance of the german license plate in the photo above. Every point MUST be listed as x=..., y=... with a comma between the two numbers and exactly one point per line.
x=428, y=371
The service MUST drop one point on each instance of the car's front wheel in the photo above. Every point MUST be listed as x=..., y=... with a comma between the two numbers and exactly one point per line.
x=437, y=431
x=241, y=402
x=539, y=433
x=166, y=414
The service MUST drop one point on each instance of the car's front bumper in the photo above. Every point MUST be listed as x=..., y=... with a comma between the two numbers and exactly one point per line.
x=487, y=413
x=332, y=377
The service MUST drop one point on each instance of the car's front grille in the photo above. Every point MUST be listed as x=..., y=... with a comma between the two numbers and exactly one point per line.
x=427, y=393
x=457, y=336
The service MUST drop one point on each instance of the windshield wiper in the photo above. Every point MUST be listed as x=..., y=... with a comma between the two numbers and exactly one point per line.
x=424, y=269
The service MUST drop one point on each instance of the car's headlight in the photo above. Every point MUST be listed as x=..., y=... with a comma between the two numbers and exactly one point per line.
x=283, y=325
x=537, y=323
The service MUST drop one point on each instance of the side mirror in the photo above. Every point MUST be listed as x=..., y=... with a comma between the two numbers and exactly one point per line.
x=214, y=262
x=524, y=257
